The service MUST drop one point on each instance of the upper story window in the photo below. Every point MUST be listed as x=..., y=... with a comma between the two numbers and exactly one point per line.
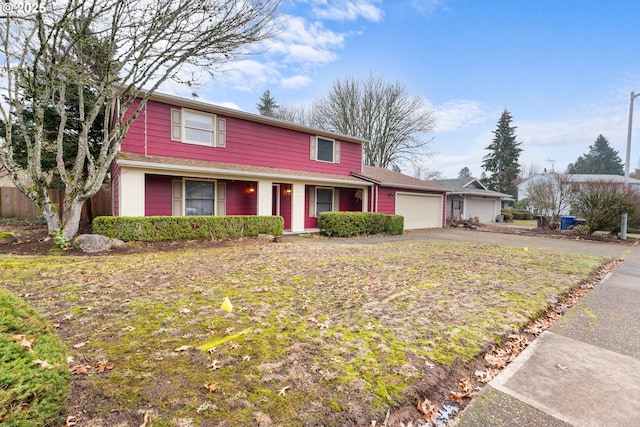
x=324, y=149
x=195, y=127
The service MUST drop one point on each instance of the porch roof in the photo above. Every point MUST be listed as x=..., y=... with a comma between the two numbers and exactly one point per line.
x=230, y=170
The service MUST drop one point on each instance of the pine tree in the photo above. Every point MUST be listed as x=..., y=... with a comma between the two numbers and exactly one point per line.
x=268, y=105
x=502, y=161
x=465, y=172
x=601, y=160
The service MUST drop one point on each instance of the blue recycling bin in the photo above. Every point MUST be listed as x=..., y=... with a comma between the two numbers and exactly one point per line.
x=566, y=222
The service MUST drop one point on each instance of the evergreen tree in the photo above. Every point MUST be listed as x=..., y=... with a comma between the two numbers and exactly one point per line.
x=465, y=172
x=502, y=161
x=268, y=105
x=601, y=160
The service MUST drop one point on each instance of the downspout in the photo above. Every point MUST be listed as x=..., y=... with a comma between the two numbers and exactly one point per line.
x=145, y=131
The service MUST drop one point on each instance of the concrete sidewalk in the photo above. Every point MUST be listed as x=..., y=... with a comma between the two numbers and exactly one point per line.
x=585, y=371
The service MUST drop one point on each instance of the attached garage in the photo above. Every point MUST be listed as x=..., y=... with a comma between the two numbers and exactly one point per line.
x=485, y=209
x=419, y=210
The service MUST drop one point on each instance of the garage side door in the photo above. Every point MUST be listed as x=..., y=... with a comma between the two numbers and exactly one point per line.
x=419, y=211
x=483, y=209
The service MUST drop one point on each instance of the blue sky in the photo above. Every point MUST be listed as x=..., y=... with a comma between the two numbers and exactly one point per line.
x=563, y=68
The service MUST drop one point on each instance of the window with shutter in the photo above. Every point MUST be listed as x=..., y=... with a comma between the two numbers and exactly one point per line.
x=324, y=149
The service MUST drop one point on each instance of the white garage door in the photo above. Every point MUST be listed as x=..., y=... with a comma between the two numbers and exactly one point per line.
x=419, y=211
x=483, y=209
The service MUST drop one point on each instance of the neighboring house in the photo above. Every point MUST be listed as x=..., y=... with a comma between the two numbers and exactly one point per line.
x=468, y=199
x=185, y=157
x=573, y=180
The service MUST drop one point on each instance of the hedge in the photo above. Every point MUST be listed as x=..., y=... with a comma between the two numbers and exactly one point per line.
x=158, y=228
x=348, y=224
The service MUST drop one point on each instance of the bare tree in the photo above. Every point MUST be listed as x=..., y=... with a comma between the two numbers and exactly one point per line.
x=395, y=124
x=552, y=197
x=113, y=55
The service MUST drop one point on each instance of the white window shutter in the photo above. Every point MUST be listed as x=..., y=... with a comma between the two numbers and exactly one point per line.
x=221, y=131
x=176, y=124
x=312, y=202
x=336, y=149
x=313, y=147
x=176, y=197
x=336, y=200
x=221, y=199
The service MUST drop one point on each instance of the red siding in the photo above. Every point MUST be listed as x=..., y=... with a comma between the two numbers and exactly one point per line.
x=239, y=201
x=248, y=143
x=285, y=206
x=348, y=201
x=386, y=203
x=157, y=195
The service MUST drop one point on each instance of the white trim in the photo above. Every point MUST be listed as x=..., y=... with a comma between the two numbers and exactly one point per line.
x=333, y=149
x=212, y=131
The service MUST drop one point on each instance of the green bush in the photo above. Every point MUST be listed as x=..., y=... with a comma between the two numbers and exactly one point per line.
x=34, y=384
x=522, y=215
x=158, y=228
x=349, y=224
x=506, y=213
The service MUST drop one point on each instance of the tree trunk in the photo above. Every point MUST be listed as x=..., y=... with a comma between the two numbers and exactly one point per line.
x=71, y=218
x=48, y=209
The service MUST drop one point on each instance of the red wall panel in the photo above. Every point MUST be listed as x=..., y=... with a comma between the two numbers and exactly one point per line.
x=248, y=143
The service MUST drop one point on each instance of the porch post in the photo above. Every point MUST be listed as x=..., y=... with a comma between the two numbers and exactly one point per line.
x=265, y=197
x=298, y=198
x=131, y=192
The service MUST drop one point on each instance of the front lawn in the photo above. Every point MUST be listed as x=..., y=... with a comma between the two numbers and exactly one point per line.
x=320, y=333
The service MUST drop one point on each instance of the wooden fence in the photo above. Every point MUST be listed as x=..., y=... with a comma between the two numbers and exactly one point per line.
x=14, y=204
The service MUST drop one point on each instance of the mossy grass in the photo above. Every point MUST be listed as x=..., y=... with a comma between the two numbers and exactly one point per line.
x=315, y=330
x=34, y=379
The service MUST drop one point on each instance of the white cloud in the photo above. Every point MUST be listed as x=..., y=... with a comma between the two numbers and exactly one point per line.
x=295, y=82
x=457, y=114
x=347, y=10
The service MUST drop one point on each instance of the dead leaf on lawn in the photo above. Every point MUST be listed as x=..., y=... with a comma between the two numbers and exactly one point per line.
x=182, y=348
x=430, y=411
x=43, y=364
x=71, y=421
x=211, y=387
x=485, y=376
x=283, y=390
x=214, y=365
x=24, y=342
x=80, y=344
x=185, y=310
x=96, y=366
x=147, y=419
x=465, y=389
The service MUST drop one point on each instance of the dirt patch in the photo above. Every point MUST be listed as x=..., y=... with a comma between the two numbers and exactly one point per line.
x=331, y=334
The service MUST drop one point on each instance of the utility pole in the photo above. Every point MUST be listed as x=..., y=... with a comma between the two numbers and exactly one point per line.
x=623, y=226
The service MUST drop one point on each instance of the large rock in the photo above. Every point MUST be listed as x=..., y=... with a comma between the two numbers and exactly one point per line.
x=95, y=243
x=7, y=238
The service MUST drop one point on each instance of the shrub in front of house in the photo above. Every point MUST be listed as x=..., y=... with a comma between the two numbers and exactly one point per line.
x=349, y=224
x=522, y=215
x=507, y=215
x=159, y=228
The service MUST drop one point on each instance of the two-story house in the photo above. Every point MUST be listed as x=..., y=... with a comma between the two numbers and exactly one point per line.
x=186, y=157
